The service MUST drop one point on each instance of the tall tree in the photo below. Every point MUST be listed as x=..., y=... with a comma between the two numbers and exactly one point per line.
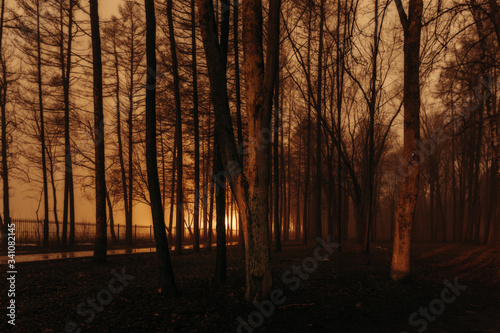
x=319, y=106
x=100, y=246
x=166, y=272
x=412, y=26
x=276, y=199
x=219, y=177
x=42, y=129
x=179, y=219
x=306, y=214
x=371, y=130
x=196, y=116
x=133, y=52
x=250, y=188
x=30, y=28
x=237, y=88
x=66, y=66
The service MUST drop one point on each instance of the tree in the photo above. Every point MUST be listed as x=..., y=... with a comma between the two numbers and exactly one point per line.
x=319, y=130
x=29, y=27
x=220, y=181
x=179, y=219
x=100, y=246
x=3, y=106
x=196, y=124
x=276, y=199
x=42, y=130
x=166, y=272
x=411, y=23
x=65, y=66
x=250, y=188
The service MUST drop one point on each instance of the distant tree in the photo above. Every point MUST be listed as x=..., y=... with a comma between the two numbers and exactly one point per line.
x=65, y=52
x=29, y=28
x=124, y=45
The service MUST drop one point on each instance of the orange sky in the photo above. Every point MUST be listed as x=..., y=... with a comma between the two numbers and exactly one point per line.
x=108, y=8
x=24, y=201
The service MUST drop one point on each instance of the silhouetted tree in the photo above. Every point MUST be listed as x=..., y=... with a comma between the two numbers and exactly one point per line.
x=166, y=272
x=100, y=246
x=251, y=187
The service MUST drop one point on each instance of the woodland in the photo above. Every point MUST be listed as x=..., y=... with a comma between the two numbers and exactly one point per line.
x=357, y=139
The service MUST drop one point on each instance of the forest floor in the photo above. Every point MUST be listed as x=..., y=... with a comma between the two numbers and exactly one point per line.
x=346, y=292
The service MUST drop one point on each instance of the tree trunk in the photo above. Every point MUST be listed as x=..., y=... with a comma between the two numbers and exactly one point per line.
x=250, y=188
x=166, y=272
x=130, y=123
x=100, y=246
x=371, y=145
x=340, y=87
x=42, y=130
x=319, y=100
x=179, y=218
x=238, y=101
x=120, y=143
x=400, y=266
x=276, y=209
x=172, y=191
x=111, y=218
x=5, y=168
x=220, y=211
x=308, y=144
x=54, y=198
x=69, y=198
x=196, y=217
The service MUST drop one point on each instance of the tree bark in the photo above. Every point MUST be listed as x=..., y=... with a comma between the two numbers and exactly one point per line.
x=400, y=266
